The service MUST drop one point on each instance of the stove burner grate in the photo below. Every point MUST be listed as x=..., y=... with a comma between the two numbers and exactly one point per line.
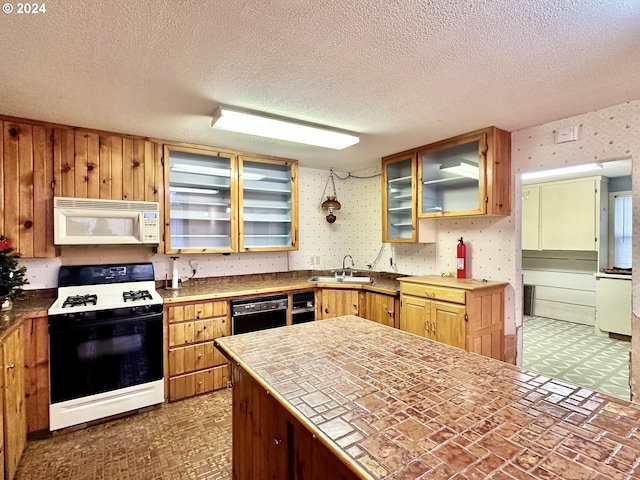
x=80, y=300
x=132, y=296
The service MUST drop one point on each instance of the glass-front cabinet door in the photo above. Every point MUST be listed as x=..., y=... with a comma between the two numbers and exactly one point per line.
x=200, y=205
x=452, y=177
x=268, y=204
x=398, y=199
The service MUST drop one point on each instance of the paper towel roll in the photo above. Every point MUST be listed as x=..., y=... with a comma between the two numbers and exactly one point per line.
x=174, y=275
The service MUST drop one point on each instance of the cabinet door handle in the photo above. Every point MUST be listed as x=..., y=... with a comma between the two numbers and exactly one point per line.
x=326, y=310
x=433, y=328
x=13, y=365
x=277, y=441
x=200, y=356
x=430, y=294
x=389, y=312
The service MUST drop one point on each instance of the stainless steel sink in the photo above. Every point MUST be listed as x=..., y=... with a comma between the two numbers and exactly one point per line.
x=341, y=279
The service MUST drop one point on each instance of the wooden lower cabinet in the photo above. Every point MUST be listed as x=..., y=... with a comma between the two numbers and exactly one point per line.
x=35, y=331
x=448, y=323
x=463, y=313
x=380, y=308
x=335, y=302
x=14, y=414
x=269, y=443
x=195, y=365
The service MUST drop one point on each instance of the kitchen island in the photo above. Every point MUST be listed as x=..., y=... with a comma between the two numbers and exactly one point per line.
x=347, y=398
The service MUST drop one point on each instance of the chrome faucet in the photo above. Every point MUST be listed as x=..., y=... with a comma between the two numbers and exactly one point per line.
x=344, y=268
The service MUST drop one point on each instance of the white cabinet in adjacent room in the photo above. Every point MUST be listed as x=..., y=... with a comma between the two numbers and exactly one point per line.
x=613, y=304
x=569, y=213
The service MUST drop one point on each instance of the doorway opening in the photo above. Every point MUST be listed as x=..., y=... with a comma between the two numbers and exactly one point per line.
x=576, y=265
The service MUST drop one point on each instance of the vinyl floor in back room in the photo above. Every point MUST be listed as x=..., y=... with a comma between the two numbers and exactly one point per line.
x=189, y=439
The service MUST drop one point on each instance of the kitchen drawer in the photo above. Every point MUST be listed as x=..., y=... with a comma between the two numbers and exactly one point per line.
x=433, y=293
x=194, y=357
x=198, y=331
x=204, y=381
x=197, y=311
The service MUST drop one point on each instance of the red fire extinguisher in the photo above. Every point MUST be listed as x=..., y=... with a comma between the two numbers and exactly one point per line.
x=462, y=259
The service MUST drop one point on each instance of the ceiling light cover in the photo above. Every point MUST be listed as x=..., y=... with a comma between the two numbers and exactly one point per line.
x=561, y=171
x=225, y=118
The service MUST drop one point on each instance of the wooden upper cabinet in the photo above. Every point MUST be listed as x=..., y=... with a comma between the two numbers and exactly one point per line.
x=220, y=201
x=26, y=177
x=201, y=192
x=99, y=165
x=268, y=204
x=466, y=175
x=399, y=198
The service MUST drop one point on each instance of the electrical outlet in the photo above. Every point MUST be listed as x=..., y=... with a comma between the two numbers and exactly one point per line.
x=317, y=259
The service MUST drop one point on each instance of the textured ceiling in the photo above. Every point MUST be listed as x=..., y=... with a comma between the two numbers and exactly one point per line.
x=401, y=73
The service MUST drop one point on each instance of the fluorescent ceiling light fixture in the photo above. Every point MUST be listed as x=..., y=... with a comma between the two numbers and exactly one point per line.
x=218, y=172
x=262, y=125
x=464, y=170
x=561, y=171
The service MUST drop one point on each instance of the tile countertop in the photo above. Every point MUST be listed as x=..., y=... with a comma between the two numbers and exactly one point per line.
x=33, y=307
x=402, y=406
x=243, y=285
x=453, y=282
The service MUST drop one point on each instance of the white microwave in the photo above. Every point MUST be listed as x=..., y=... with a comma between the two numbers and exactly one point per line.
x=87, y=221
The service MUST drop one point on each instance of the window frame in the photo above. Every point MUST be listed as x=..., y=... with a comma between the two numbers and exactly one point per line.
x=611, y=220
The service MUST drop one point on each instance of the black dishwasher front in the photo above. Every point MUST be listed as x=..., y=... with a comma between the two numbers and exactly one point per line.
x=258, y=313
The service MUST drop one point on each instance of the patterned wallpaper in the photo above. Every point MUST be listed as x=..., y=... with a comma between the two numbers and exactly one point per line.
x=494, y=243
x=357, y=229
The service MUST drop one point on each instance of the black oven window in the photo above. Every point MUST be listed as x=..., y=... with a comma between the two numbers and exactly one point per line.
x=96, y=359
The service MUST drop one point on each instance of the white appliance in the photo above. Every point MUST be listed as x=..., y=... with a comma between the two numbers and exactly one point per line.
x=105, y=343
x=87, y=221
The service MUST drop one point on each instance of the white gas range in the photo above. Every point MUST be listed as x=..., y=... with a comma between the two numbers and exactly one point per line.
x=106, y=343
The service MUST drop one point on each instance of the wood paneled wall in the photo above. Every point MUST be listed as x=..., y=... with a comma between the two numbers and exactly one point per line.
x=26, y=175
x=41, y=160
x=93, y=165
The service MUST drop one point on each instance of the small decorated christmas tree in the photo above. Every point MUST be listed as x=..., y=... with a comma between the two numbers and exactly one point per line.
x=12, y=277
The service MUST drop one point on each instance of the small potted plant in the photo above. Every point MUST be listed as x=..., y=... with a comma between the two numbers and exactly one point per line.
x=12, y=277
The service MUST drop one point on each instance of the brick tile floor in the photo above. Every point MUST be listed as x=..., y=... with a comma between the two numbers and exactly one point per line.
x=189, y=439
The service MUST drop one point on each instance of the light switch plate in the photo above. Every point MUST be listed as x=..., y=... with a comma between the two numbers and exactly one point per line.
x=569, y=134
